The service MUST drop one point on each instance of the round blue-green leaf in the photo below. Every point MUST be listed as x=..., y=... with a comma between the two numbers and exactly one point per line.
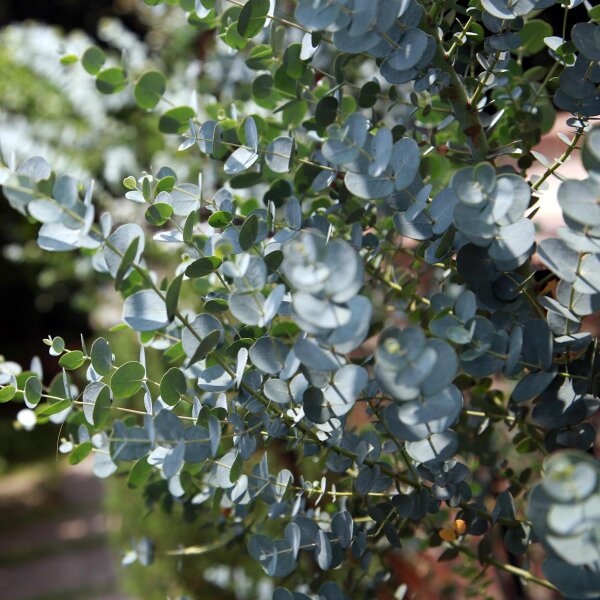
x=149, y=89
x=513, y=241
x=586, y=37
x=413, y=421
x=344, y=143
x=117, y=244
x=405, y=160
x=368, y=186
x=508, y=9
x=437, y=448
x=101, y=356
x=279, y=154
x=532, y=385
x=323, y=552
x=574, y=581
x=103, y=465
x=348, y=383
x=199, y=329
x=588, y=276
x=579, y=201
x=559, y=258
x=568, y=478
x=350, y=336
x=209, y=137
x=319, y=313
x=127, y=379
x=240, y=160
x=590, y=154
x=268, y=354
x=247, y=306
x=145, y=311
x=277, y=391
x=197, y=445
x=411, y=47
x=32, y=392
x=168, y=426
x=96, y=403
x=312, y=355
x=382, y=144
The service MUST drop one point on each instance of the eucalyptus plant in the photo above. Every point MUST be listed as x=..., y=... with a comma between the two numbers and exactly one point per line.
x=360, y=329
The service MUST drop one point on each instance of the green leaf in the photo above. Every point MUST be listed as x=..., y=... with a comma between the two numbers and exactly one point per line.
x=159, y=213
x=111, y=80
x=126, y=262
x=130, y=183
x=174, y=353
x=188, y=228
x=216, y=306
x=176, y=120
x=80, y=453
x=101, y=356
x=93, y=59
x=220, y=219
x=203, y=266
x=294, y=67
x=146, y=189
x=72, y=360
x=33, y=391
x=139, y=474
x=69, y=59
x=172, y=297
x=165, y=184
x=246, y=180
x=262, y=86
x=173, y=385
x=252, y=17
x=273, y=260
x=127, y=380
x=249, y=232
x=206, y=345
x=367, y=97
x=236, y=468
x=533, y=34
x=294, y=113
x=149, y=89
x=102, y=407
x=52, y=409
x=7, y=393
x=57, y=346
x=261, y=57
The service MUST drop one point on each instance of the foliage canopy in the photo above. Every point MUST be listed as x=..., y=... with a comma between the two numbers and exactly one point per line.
x=355, y=289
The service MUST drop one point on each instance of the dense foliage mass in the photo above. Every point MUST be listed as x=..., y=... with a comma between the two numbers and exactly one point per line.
x=356, y=340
